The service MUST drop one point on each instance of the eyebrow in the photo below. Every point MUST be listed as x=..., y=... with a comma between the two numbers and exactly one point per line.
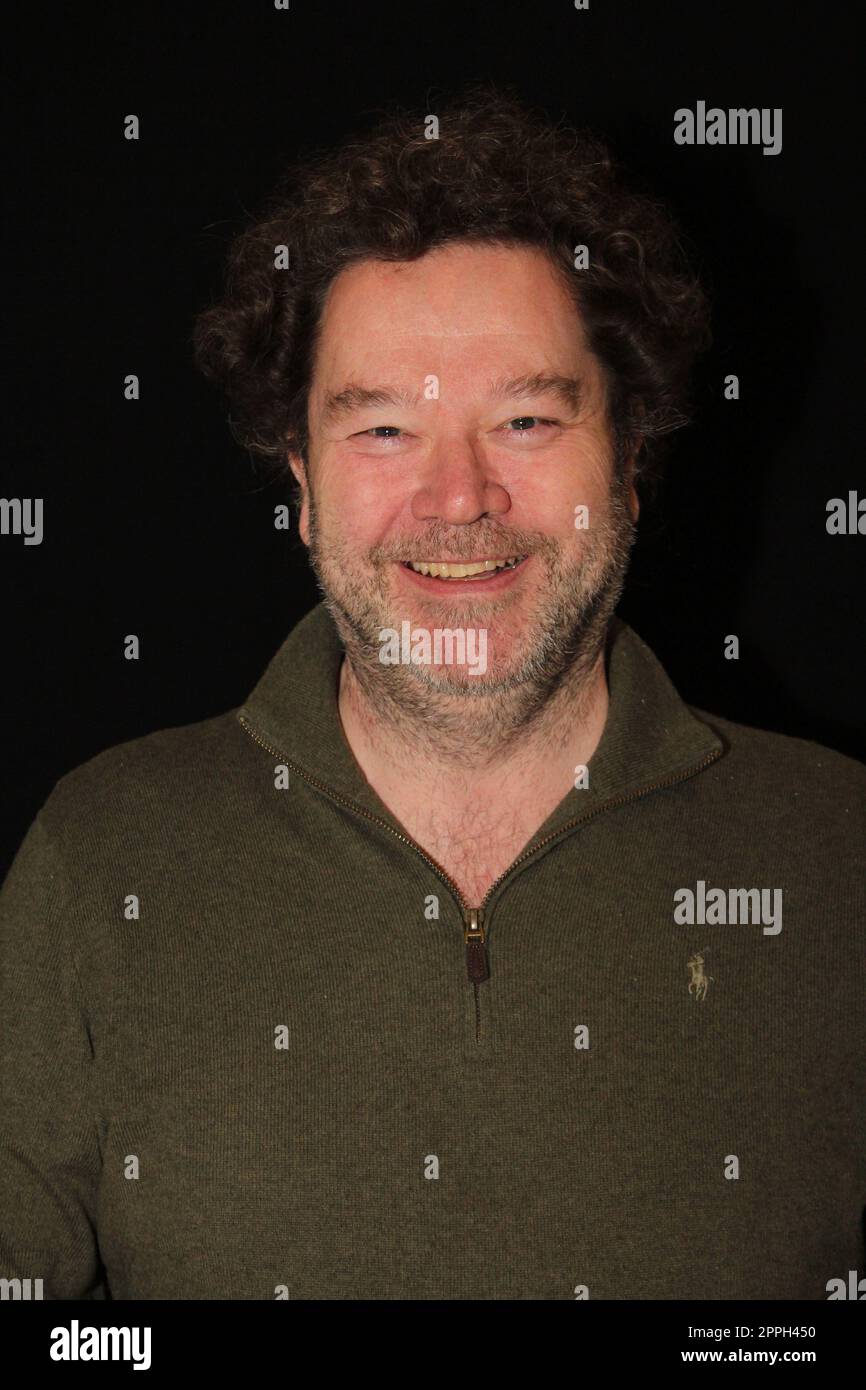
x=568, y=389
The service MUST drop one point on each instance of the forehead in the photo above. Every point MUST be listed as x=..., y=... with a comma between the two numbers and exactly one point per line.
x=463, y=304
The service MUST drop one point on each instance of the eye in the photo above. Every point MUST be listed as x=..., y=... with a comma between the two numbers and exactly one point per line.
x=372, y=433
x=525, y=422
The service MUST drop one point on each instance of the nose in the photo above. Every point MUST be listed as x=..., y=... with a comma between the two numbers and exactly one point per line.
x=457, y=487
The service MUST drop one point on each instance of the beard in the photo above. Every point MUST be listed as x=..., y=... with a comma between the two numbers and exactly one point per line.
x=541, y=658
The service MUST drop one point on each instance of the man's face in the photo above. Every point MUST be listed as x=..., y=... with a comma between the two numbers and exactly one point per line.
x=457, y=415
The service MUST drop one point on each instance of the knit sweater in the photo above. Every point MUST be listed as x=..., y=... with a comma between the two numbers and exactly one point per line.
x=255, y=1045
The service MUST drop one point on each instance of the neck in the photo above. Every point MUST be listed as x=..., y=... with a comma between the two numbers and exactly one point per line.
x=458, y=748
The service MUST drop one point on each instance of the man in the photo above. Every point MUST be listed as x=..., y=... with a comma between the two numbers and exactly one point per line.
x=464, y=960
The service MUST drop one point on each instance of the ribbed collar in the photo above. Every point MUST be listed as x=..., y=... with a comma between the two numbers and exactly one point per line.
x=650, y=738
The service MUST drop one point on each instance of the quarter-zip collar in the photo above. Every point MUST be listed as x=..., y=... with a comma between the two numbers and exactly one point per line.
x=651, y=738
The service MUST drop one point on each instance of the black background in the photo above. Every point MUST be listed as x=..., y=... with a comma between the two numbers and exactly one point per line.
x=156, y=523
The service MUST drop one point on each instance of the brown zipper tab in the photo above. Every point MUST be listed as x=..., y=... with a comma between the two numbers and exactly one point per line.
x=476, y=951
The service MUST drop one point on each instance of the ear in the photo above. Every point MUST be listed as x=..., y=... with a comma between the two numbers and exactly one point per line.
x=296, y=463
x=629, y=476
x=633, y=503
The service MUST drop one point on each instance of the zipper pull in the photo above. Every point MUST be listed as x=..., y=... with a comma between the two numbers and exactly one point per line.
x=476, y=951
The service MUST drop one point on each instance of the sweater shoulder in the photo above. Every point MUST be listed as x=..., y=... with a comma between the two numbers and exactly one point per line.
x=776, y=765
x=170, y=767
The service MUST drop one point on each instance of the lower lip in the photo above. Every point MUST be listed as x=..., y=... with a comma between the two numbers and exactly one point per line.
x=493, y=584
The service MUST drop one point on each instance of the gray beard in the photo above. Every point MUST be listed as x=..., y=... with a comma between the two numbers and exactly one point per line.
x=480, y=720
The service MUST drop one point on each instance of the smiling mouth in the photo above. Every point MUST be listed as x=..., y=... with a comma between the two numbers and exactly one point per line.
x=470, y=569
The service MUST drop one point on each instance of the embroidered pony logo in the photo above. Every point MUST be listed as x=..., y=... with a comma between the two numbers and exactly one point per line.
x=699, y=983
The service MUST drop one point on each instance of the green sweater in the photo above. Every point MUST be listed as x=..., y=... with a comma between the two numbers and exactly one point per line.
x=296, y=1069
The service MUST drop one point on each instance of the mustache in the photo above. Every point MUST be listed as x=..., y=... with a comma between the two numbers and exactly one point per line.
x=460, y=549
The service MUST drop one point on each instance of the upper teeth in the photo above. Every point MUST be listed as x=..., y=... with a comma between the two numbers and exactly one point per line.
x=446, y=571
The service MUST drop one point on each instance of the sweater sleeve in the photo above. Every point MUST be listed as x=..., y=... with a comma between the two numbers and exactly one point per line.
x=49, y=1138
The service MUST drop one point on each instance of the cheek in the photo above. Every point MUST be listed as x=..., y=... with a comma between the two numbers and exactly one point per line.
x=569, y=514
x=364, y=514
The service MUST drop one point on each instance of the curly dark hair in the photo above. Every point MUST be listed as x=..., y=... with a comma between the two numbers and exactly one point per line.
x=500, y=174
